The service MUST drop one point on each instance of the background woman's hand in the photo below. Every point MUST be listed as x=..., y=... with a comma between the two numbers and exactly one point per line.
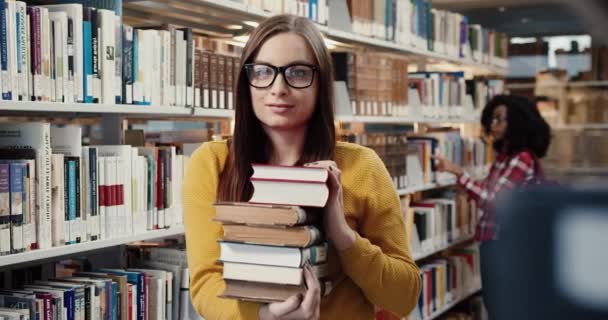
x=337, y=230
x=444, y=165
x=296, y=307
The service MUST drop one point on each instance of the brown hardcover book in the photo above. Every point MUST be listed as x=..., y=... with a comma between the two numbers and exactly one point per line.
x=261, y=214
x=229, y=71
x=260, y=292
x=267, y=292
x=301, y=237
x=221, y=81
x=213, y=80
x=205, y=88
x=198, y=77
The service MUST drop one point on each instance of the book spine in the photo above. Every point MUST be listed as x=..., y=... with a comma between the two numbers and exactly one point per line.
x=118, y=58
x=95, y=40
x=128, y=63
x=93, y=187
x=36, y=53
x=17, y=170
x=102, y=197
x=80, y=217
x=21, y=50
x=70, y=79
x=87, y=55
x=5, y=210
x=6, y=91
x=67, y=226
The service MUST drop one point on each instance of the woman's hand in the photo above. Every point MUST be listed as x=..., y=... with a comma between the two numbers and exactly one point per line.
x=337, y=230
x=442, y=164
x=295, y=307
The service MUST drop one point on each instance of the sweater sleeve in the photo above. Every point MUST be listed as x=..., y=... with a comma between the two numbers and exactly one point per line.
x=379, y=261
x=202, y=234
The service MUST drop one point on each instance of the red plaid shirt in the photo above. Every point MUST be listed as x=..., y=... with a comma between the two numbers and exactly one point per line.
x=506, y=173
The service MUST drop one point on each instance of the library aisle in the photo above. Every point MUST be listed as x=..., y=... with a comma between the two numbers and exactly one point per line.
x=104, y=105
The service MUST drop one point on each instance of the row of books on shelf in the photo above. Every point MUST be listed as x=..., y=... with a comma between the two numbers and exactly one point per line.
x=376, y=81
x=70, y=53
x=439, y=222
x=409, y=22
x=155, y=286
x=447, y=279
x=54, y=191
x=379, y=84
x=315, y=10
x=415, y=23
x=409, y=158
x=268, y=241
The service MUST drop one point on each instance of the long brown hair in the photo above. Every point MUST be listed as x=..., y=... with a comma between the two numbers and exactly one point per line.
x=250, y=144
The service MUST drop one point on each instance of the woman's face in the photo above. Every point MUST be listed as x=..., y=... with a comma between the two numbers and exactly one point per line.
x=279, y=106
x=498, y=126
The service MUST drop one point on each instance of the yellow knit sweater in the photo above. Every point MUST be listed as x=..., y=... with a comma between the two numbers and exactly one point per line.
x=378, y=268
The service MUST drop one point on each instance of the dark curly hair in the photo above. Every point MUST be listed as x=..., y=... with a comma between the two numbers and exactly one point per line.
x=526, y=128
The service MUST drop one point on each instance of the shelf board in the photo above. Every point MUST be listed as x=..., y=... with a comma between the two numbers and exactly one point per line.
x=420, y=256
x=425, y=187
x=587, y=126
x=395, y=120
x=450, y=305
x=579, y=170
x=60, y=251
x=36, y=108
x=21, y=108
x=232, y=12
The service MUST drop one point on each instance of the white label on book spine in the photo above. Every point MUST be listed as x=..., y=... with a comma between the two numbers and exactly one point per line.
x=5, y=82
x=117, y=86
x=171, y=95
x=138, y=92
x=161, y=218
x=97, y=88
x=38, y=86
x=17, y=237
x=206, y=98
x=197, y=97
x=129, y=94
x=5, y=240
x=213, y=99
x=90, y=86
x=28, y=234
x=74, y=232
x=70, y=91
x=189, y=96
x=222, y=101
x=66, y=231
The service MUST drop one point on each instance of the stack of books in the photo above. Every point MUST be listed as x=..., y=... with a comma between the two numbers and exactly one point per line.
x=268, y=240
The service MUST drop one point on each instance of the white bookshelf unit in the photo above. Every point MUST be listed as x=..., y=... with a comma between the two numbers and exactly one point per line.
x=212, y=15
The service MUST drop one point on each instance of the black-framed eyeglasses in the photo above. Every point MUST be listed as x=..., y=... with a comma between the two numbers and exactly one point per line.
x=296, y=75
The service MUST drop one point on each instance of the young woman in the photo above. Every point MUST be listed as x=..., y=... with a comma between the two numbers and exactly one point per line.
x=284, y=116
x=521, y=137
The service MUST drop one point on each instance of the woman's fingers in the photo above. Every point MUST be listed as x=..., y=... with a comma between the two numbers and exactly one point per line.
x=279, y=309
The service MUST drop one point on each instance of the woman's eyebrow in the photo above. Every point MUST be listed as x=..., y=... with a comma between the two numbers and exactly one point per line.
x=290, y=63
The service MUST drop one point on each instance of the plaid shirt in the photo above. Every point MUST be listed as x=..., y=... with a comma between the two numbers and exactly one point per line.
x=506, y=173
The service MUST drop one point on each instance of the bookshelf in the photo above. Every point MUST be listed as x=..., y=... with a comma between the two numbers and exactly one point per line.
x=67, y=250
